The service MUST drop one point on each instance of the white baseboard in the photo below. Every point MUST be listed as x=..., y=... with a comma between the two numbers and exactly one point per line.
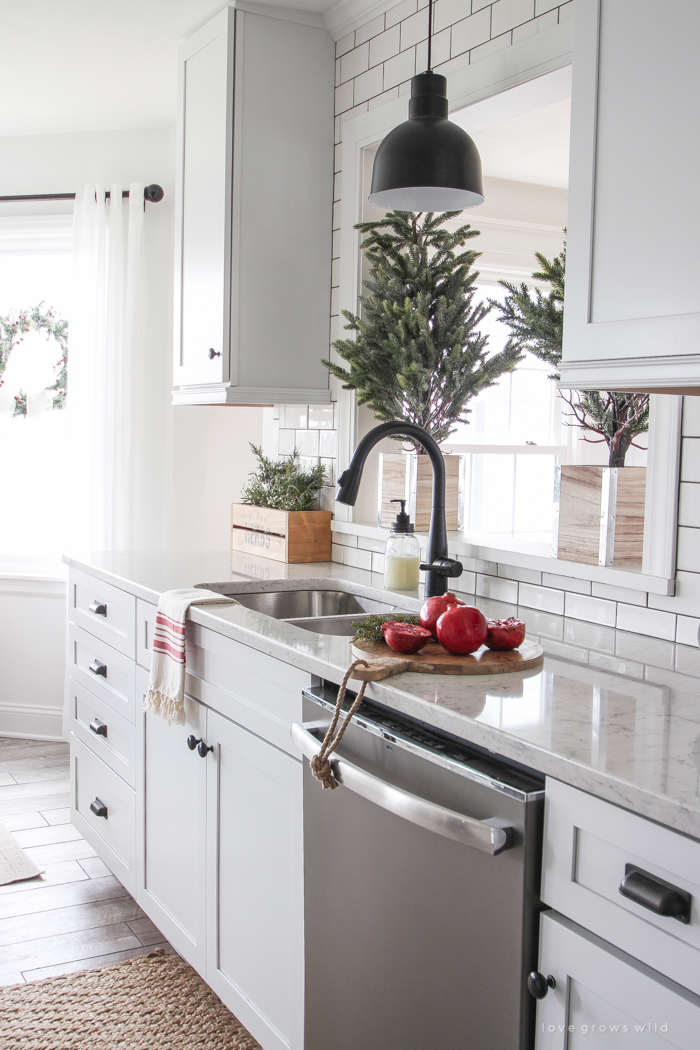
x=31, y=722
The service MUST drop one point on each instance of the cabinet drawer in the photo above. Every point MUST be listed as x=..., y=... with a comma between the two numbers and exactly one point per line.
x=104, y=671
x=105, y=611
x=108, y=735
x=145, y=626
x=112, y=834
x=590, y=846
x=604, y=998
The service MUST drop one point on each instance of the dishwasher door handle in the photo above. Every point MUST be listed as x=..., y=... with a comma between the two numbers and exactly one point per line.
x=490, y=836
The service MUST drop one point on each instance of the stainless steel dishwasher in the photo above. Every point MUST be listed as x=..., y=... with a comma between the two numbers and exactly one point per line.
x=422, y=875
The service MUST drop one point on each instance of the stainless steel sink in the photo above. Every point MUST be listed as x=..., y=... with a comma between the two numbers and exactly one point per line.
x=339, y=625
x=304, y=604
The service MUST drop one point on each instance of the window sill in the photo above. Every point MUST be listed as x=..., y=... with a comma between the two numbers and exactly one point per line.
x=463, y=545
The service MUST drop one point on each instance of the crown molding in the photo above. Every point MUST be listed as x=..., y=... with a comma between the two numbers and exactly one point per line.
x=346, y=15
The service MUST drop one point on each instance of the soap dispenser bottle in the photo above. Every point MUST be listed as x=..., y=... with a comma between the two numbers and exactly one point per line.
x=401, y=571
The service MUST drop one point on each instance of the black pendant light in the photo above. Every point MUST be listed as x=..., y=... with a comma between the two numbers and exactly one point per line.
x=427, y=163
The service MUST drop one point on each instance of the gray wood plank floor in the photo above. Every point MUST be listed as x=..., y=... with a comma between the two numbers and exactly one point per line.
x=78, y=916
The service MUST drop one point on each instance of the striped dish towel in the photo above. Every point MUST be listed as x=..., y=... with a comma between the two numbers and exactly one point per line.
x=166, y=686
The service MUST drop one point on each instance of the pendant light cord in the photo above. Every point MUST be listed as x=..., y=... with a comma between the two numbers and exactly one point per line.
x=430, y=35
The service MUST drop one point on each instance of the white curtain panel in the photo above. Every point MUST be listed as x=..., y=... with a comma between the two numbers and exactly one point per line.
x=103, y=364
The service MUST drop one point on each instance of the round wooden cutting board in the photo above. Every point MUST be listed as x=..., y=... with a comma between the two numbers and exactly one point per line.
x=433, y=659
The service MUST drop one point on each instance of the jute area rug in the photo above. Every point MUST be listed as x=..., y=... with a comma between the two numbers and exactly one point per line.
x=155, y=1002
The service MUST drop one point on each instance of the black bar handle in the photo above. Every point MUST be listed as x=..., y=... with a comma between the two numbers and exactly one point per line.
x=538, y=985
x=99, y=728
x=653, y=893
x=98, y=808
x=98, y=608
x=97, y=667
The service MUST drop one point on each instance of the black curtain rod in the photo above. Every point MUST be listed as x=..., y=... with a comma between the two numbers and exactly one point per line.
x=152, y=193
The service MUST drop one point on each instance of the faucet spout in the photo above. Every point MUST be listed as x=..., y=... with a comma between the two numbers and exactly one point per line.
x=439, y=565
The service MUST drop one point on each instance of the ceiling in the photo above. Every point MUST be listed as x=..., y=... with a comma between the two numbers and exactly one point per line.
x=531, y=147
x=85, y=65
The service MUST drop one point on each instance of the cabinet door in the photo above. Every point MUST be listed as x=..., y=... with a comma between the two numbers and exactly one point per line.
x=604, y=998
x=171, y=829
x=632, y=310
x=255, y=957
x=203, y=211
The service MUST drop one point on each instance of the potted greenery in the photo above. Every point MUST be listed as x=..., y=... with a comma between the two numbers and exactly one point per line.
x=588, y=495
x=417, y=354
x=278, y=516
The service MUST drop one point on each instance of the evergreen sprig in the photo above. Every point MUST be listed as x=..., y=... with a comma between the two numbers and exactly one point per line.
x=370, y=628
x=418, y=354
x=283, y=485
x=536, y=324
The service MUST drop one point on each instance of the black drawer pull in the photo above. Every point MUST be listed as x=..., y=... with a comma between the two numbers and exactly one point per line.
x=99, y=728
x=538, y=985
x=192, y=742
x=213, y=353
x=202, y=749
x=653, y=893
x=98, y=808
x=98, y=668
x=98, y=608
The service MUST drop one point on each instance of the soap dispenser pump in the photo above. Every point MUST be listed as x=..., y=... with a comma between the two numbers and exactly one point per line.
x=402, y=556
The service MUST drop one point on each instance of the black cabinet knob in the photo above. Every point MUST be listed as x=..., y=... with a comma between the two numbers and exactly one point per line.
x=203, y=749
x=538, y=985
x=98, y=808
x=98, y=608
x=192, y=742
x=97, y=667
x=99, y=728
x=213, y=353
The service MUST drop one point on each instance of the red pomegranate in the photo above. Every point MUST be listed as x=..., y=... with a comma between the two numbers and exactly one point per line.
x=505, y=634
x=405, y=637
x=433, y=608
x=462, y=629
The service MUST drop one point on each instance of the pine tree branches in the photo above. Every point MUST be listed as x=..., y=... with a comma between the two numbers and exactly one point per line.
x=418, y=354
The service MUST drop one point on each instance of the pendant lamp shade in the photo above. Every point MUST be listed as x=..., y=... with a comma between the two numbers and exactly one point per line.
x=427, y=163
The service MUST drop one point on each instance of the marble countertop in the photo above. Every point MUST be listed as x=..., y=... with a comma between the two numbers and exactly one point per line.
x=612, y=713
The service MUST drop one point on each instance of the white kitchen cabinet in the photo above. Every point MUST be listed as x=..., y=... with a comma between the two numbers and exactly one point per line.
x=254, y=208
x=171, y=828
x=255, y=927
x=603, y=998
x=632, y=308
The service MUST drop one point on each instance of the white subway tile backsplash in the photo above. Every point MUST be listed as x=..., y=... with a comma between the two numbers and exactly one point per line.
x=478, y=4
x=687, y=628
x=401, y=11
x=545, y=5
x=378, y=562
x=343, y=97
x=566, y=583
x=691, y=416
x=354, y=62
x=307, y=463
x=369, y=29
x=285, y=442
x=690, y=459
x=440, y=50
x=329, y=464
x=337, y=553
x=294, y=417
x=414, y=29
x=686, y=599
x=496, y=589
x=543, y=624
x=544, y=598
x=506, y=14
x=536, y=25
x=345, y=44
x=619, y=594
x=307, y=442
x=447, y=12
x=566, y=11
x=471, y=32
x=646, y=621
x=688, y=556
x=328, y=443
x=359, y=559
x=320, y=417
x=490, y=47
x=398, y=69
x=386, y=96
x=595, y=610
x=369, y=84
x=345, y=539
x=689, y=504
x=369, y=543
x=512, y=572
x=464, y=584
x=385, y=46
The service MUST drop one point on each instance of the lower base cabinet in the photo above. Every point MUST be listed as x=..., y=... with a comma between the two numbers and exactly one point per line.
x=604, y=998
x=220, y=864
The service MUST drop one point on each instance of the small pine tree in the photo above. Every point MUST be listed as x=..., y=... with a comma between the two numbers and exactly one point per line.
x=536, y=325
x=418, y=354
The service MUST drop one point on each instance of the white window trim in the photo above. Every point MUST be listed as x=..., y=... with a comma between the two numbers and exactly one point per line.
x=541, y=68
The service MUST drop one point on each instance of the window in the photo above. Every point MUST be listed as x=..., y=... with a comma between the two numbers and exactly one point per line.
x=35, y=270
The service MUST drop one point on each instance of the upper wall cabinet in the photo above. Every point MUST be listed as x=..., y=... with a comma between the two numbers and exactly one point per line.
x=632, y=312
x=254, y=209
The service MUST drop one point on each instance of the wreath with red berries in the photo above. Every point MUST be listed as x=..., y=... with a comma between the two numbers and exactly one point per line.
x=13, y=329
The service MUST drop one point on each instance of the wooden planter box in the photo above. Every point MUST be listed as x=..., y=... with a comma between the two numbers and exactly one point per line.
x=410, y=477
x=282, y=535
x=601, y=515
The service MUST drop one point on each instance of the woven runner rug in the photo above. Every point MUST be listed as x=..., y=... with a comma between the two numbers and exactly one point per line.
x=154, y=1002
